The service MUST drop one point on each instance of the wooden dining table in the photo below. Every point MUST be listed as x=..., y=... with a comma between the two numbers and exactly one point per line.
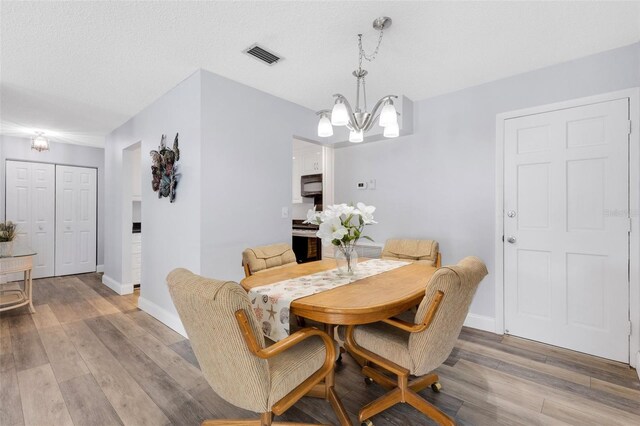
x=363, y=301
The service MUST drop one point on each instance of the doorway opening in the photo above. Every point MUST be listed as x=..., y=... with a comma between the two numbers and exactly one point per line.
x=312, y=187
x=131, y=202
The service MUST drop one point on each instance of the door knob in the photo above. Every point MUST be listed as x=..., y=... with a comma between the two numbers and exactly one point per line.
x=511, y=213
x=511, y=239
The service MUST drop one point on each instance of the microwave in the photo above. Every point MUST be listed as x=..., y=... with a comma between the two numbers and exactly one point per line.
x=311, y=185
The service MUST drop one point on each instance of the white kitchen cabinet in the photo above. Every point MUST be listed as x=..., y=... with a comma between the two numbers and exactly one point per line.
x=136, y=253
x=307, y=161
x=312, y=161
x=295, y=179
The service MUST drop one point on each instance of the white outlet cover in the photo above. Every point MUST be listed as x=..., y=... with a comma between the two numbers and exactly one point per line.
x=285, y=212
x=372, y=184
x=361, y=185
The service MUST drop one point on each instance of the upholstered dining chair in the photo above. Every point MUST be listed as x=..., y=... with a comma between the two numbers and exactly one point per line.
x=427, y=251
x=228, y=343
x=416, y=348
x=258, y=259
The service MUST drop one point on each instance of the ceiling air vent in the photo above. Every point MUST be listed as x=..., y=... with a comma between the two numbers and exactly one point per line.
x=262, y=54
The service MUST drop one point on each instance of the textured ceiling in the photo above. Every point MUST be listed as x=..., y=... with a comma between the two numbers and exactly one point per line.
x=79, y=69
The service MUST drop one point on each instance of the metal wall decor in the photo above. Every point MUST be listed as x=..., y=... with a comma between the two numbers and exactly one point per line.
x=164, y=178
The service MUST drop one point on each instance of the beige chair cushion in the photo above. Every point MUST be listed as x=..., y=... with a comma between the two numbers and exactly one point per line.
x=266, y=257
x=411, y=250
x=432, y=347
x=294, y=366
x=387, y=341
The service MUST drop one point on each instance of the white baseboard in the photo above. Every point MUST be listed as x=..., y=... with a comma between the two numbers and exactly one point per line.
x=99, y=268
x=638, y=364
x=481, y=322
x=116, y=286
x=169, y=319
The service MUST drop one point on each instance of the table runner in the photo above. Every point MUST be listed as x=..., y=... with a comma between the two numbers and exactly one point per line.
x=271, y=303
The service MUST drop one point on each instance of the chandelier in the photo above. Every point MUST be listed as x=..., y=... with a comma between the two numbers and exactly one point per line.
x=39, y=143
x=360, y=120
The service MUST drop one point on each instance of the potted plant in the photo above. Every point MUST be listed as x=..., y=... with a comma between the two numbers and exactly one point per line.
x=342, y=225
x=7, y=235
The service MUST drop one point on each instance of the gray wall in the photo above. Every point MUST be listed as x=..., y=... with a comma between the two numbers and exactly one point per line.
x=13, y=148
x=247, y=138
x=170, y=231
x=440, y=182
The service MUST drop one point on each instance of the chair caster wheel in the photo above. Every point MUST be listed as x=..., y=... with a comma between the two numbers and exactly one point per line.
x=368, y=381
x=366, y=423
x=436, y=387
x=339, y=360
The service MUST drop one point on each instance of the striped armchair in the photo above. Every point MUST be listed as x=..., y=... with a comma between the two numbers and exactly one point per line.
x=416, y=348
x=227, y=340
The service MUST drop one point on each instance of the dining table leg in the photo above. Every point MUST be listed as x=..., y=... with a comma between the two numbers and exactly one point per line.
x=330, y=329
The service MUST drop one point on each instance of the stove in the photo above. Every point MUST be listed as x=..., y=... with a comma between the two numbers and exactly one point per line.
x=306, y=245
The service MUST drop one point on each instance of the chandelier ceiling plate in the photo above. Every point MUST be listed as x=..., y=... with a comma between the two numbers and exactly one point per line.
x=382, y=23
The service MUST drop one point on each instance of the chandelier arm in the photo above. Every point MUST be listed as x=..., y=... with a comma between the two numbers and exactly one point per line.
x=380, y=102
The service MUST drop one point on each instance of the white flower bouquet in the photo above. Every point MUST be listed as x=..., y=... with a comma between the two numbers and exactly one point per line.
x=342, y=225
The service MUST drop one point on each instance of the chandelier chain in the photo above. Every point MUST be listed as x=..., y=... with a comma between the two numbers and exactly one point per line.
x=363, y=54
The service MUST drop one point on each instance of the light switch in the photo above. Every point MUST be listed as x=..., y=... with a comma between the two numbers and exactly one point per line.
x=285, y=212
x=372, y=184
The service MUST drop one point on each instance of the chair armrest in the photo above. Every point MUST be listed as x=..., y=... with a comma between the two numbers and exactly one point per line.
x=284, y=344
x=404, y=325
x=428, y=318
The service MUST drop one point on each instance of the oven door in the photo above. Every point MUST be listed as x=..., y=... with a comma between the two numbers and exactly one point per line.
x=307, y=249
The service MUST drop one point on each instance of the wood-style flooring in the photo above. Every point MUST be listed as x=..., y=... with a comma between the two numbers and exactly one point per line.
x=91, y=357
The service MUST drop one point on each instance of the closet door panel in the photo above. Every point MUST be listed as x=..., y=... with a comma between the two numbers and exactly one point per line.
x=30, y=202
x=76, y=220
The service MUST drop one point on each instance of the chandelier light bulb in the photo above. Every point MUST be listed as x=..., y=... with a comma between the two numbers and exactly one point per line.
x=339, y=114
x=325, y=129
x=391, y=131
x=388, y=116
x=356, y=136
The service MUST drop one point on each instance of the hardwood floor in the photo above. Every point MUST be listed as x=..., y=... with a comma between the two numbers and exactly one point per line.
x=91, y=357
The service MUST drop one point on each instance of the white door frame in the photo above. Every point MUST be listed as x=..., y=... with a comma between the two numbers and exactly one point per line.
x=634, y=203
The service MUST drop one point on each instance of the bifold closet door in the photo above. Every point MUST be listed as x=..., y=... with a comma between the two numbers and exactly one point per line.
x=30, y=202
x=75, y=220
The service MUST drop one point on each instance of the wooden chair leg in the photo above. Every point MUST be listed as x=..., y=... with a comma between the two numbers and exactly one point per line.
x=378, y=377
x=427, y=409
x=332, y=397
x=423, y=382
x=376, y=406
x=266, y=419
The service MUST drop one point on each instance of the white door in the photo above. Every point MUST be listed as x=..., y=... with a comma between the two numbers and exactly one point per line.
x=30, y=202
x=566, y=228
x=75, y=220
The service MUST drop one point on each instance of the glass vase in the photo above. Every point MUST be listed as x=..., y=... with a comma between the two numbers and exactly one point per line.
x=346, y=259
x=6, y=249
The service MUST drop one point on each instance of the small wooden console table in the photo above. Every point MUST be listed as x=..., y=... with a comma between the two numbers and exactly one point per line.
x=20, y=261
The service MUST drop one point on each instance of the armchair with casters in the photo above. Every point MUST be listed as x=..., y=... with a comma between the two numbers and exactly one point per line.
x=403, y=349
x=227, y=340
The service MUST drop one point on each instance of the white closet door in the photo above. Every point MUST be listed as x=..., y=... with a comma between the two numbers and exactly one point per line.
x=567, y=228
x=30, y=202
x=75, y=220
